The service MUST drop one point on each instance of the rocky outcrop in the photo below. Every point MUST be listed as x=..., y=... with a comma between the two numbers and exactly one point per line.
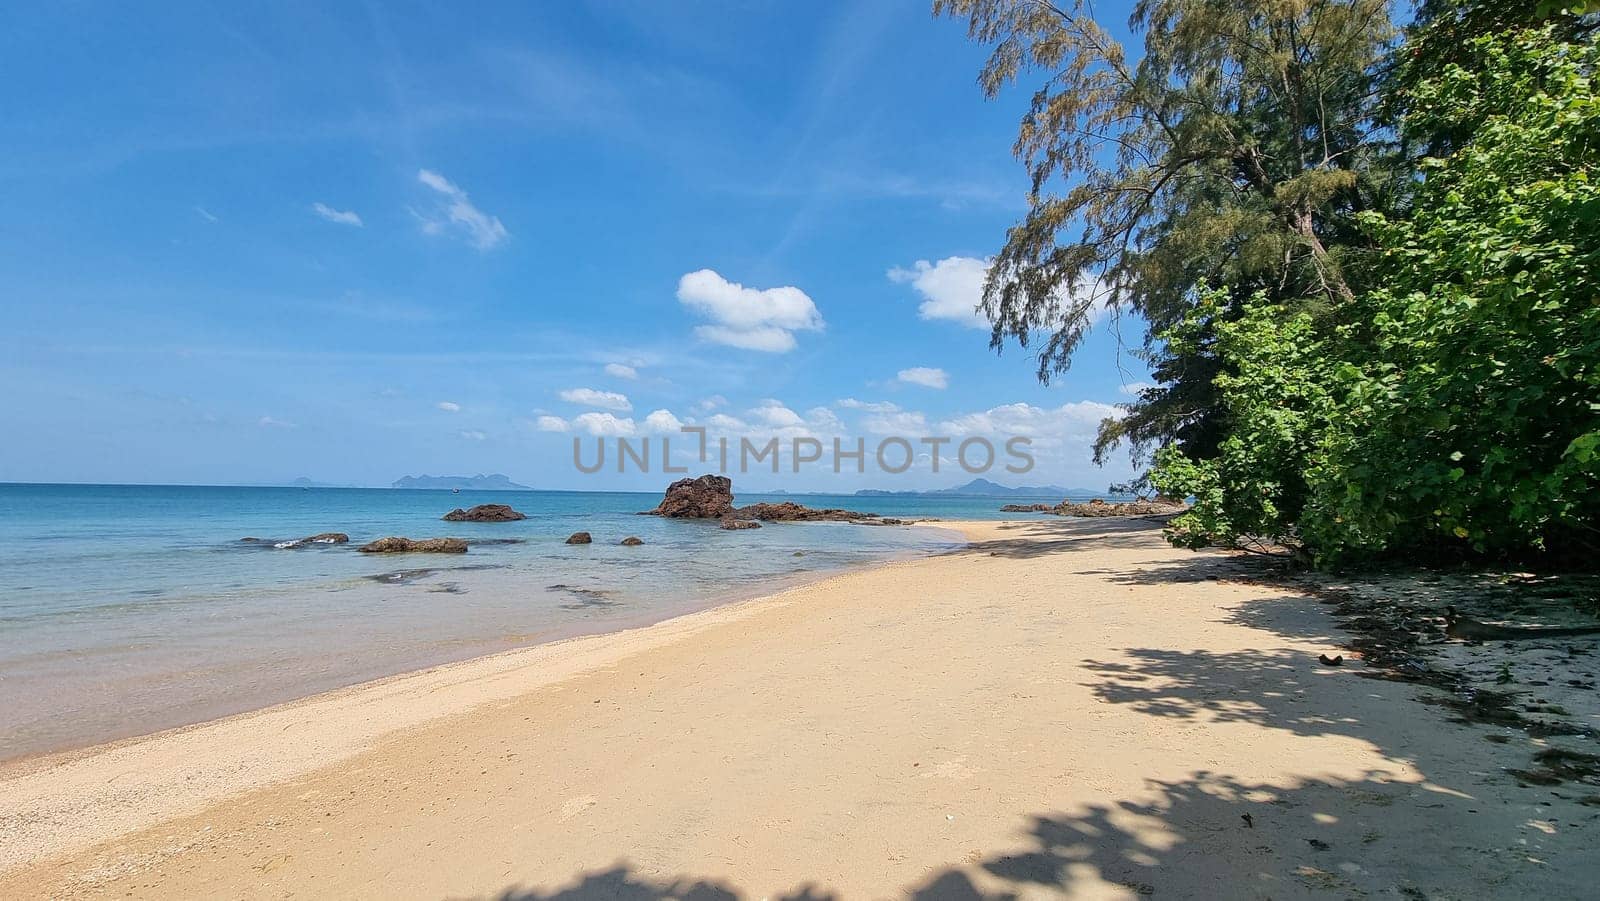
x=708, y=497
x=398, y=545
x=580, y=538
x=1098, y=507
x=632, y=541
x=789, y=511
x=1028, y=508
x=732, y=524
x=485, y=513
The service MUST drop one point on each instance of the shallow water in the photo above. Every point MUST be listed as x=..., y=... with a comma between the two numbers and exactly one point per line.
x=128, y=609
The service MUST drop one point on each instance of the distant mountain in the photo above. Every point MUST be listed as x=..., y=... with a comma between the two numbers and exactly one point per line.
x=985, y=488
x=479, y=482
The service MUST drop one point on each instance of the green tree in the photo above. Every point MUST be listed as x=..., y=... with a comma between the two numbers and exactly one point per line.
x=1235, y=150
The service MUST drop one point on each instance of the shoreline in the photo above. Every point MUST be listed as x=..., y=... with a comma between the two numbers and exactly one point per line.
x=591, y=648
x=1059, y=708
x=259, y=696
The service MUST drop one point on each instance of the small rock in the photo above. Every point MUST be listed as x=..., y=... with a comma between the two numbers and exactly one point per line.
x=579, y=538
x=485, y=513
x=632, y=541
x=732, y=524
x=397, y=545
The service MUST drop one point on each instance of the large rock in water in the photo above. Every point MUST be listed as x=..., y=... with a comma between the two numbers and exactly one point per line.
x=579, y=538
x=396, y=545
x=484, y=513
x=708, y=497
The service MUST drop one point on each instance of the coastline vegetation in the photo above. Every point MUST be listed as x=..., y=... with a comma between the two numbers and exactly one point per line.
x=1367, y=255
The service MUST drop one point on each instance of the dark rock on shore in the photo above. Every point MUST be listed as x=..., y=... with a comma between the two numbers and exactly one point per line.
x=579, y=538
x=1159, y=507
x=732, y=524
x=707, y=497
x=485, y=513
x=398, y=545
x=1098, y=507
x=632, y=541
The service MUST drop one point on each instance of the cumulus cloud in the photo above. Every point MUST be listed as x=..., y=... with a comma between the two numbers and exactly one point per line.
x=748, y=318
x=551, y=424
x=449, y=406
x=455, y=212
x=898, y=422
x=851, y=403
x=603, y=424
x=605, y=400
x=341, y=217
x=662, y=421
x=1074, y=422
x=924, y=376
x=713, y=402
x=951, y=288
x=621, y=371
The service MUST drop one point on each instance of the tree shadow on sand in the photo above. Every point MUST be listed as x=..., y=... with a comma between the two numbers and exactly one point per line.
x=1437, y=824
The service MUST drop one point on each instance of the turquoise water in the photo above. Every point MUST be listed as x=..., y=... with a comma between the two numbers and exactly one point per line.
x=127, y=609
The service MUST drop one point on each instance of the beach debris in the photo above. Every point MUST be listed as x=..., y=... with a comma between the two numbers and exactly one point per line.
x=706, y=497
x=632, y=541
x=1249, y=821
x=397, y=545
x=579, y=538
x=732, y=524
x=1335, y=660
x=1318, y=844
x=485, y=513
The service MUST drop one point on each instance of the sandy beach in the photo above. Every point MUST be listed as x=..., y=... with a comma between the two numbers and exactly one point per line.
x=1063, y=708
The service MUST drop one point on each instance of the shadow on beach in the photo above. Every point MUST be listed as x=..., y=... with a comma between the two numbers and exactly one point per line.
x=1438, y=824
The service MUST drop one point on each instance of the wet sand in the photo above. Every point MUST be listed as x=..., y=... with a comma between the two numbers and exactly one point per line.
x=1064, y=708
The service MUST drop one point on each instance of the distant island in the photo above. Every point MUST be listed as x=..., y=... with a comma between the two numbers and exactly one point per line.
x=984, y=488
x=479, y=482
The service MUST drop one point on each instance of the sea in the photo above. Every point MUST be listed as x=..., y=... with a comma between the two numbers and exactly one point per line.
x=128, y=609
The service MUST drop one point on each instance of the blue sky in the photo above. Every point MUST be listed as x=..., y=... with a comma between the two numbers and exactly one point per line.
x=243, y=244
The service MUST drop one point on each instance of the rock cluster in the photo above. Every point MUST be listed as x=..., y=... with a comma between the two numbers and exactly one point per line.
x=708, y=497
x=398, y=545
x=732, y=524
x=485, y=513
x=1161, y=506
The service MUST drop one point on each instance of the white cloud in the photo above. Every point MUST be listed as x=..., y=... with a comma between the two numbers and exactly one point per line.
x=899, y=422
x=749, y=318
x=851, y=403
x=342, y=217
x=551, y=424
x=449, y=406
x=605, y=400
x=774, y=414
x=482, y=230
x=206, y=214
x=924, y=376
x=267, y=422
x=1074, y=422
x=951, y=288
x=473, y=435
x=662, y=421
x=725, y=423
x=1134, y=389
x=621, y=371
x=711, y=403
x=603, y=424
